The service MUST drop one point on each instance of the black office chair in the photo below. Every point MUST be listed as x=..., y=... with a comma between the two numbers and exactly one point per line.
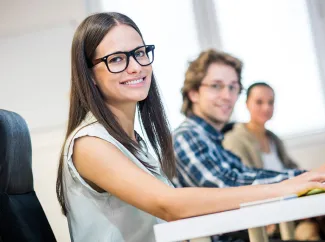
x=22, y=218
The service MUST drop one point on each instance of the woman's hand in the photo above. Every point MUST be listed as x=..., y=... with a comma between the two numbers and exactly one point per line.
x=303, y=183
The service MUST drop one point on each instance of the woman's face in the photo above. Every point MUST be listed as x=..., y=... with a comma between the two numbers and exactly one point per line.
x=131, y=85
x=260, y=104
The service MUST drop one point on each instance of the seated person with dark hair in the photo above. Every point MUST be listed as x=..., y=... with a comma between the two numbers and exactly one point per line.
x=257, y=146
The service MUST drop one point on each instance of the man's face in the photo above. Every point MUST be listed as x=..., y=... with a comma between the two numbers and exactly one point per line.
x=216, y=97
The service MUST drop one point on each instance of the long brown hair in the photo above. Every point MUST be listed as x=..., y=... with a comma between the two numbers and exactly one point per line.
x=198, y=69
x=86, y=97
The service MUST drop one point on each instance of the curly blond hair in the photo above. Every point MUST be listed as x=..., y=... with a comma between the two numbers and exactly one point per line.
x=198, y=69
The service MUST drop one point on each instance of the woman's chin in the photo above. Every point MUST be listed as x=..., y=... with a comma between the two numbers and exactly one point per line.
x=140, y=97
x=262, y=122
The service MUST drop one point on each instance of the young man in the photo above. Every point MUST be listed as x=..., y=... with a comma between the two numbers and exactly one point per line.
x=211, y=88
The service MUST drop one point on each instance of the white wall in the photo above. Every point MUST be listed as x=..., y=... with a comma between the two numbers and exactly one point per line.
x=35, y=39
x=46, y=149
x=307, y=150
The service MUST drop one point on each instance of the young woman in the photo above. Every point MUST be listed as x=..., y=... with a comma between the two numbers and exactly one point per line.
x=260, y=148
x=252, y=142
x=109, y=186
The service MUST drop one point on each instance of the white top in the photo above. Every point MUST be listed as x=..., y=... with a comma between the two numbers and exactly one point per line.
x=94, y=216
x=271, y=161
x=243, y=218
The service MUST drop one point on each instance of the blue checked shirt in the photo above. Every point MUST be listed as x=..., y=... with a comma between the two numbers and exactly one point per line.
x=203, y=162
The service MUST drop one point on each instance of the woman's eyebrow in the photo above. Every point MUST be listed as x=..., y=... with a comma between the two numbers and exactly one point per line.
x=122, y=51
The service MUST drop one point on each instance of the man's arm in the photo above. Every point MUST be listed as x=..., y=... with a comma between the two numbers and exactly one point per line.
x=201, y=164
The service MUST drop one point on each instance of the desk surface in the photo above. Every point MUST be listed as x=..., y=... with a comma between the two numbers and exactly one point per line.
x=239, y=219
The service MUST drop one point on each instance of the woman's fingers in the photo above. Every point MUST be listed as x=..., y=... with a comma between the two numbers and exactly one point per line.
x=313, y=176
x=310, y=186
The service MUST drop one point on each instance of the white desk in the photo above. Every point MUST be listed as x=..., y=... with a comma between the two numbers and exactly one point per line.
x=253, y=218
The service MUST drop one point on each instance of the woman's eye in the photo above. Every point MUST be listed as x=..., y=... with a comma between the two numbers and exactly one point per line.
x=139, y=53
x=116, y=59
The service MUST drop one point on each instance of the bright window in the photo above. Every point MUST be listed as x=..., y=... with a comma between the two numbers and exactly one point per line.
x=274, y=40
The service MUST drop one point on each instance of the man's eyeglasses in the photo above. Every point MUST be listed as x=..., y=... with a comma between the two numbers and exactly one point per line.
x=234, y=89
x=119, y=61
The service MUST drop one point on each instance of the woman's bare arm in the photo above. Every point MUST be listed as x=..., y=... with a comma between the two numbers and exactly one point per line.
x=107, y=167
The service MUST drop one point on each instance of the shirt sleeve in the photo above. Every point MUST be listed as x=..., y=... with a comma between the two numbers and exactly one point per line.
x=200, y=163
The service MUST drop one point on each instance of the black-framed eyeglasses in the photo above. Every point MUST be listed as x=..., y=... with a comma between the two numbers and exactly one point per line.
x=119, y=61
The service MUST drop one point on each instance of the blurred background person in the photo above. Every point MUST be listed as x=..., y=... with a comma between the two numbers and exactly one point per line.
x=257, y=146
x=260, y=148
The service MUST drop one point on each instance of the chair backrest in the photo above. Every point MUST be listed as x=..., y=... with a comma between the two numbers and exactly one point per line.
x=21, y=215
x=16, y=175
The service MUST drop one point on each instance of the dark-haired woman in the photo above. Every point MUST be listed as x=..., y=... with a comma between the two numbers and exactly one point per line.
x=257, y=146
x=260, y=148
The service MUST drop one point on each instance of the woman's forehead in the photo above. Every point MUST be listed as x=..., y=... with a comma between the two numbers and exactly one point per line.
x=262, y=92
x=119, y=38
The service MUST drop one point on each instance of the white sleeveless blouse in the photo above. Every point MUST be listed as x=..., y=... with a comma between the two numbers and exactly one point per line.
x=94, y=216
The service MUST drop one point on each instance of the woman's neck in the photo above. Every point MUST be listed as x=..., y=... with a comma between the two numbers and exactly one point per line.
x=125, y=115
x=256, y=128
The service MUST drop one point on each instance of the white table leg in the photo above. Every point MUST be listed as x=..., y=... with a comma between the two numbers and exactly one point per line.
x=287, y=230
x=258, y=234
x=203, y=239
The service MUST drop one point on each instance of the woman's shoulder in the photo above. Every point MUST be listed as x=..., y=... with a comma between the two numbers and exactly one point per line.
x=238, y=131
x=276, y=139
x=88, y=127
x=272, y=134
x=238, y=137
x=94, y=129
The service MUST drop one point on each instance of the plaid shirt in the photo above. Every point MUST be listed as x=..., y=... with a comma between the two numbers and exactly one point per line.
x=203, y=162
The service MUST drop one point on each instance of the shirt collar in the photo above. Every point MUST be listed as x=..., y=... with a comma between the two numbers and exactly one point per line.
x=207, y=128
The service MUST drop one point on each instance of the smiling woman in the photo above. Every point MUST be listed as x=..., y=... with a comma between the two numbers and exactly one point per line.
x=256, y=145
x=110, y=77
